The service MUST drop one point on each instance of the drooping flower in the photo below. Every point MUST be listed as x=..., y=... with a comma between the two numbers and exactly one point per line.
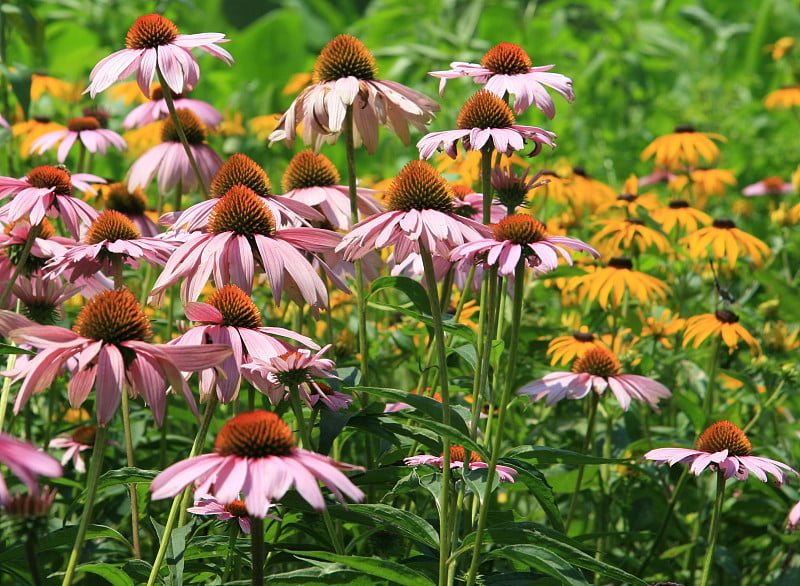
x=683, y=149
x=87, y=131
x=597, y=369
x=156, y=109
x=112, y=353
x=255, y=455
x=511, y=189
x=724, y=324
x=42, y=298
x=78, y=441
x=484, y=118
x=345, y=77
x=726, y=241
x=457, y=456
x=25, y=462
x=469, y=204
x=153, y=43
x=723, y=447
x=507, y=69
x=794, y=517
x=611, y=283
x=768, y=186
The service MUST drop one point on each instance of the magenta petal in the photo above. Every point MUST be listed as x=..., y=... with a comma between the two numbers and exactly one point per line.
x=180, y=475
x=109, y=381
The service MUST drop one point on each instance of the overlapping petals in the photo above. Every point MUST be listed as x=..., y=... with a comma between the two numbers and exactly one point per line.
x=504, y=140
x=738, y=467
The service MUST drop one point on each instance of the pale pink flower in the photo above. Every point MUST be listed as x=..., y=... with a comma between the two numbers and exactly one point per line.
x=111, y=323
x=13, y=238
x=153, y=42
x=236, y=509
x=80, y=440
x=596, y=370
x=794, y=517
x=85, y=130
x=42, y=297
x=723, y=447
x=344, y=77
x=507, y=69
x=255, y=455
x=768, y=186
x=25, y=462
x=156, y=109
x=4, y=123
x=457, y=454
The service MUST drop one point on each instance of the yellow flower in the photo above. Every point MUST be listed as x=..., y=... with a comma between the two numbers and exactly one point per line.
x=128, y=92
x=662, y=327
x=467, y=168
x=262, y=126
x=679, y=213
x=620, y=236
x=787, y=97
x=142, y=139
x=707, y=182
x=612, y=282
x=32, y=129
x=297, y=83
x=57, y=88
x=588, y=192
x=726, y=242
x=683, y=148
x=231, y=125
x=564, y=349
x=630, y=201
x=777, y=336
x=724, y=324
x=781, y=216
x=780, y=48
x=556, y=189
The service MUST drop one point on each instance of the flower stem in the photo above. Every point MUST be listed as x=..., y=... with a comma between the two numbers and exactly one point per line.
x=257, y=549
x=297, y=409
x=586, y=446
x=519, y=285
x=126, y=425
x=333, y=532
x=708, y=400
x=81, y=157
x=33, y=233
x=233, y=534
x=95, y=468
x=486, y=183
x=665, y=521
x=713, y=532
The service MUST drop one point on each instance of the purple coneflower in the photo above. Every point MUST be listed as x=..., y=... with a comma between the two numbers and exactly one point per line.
x=78, y=441
x=504, y=473
x=87, y=131
x=133, y=204
x=156, y=109
x=26, y=462
x=768, y=186
x=236, y=509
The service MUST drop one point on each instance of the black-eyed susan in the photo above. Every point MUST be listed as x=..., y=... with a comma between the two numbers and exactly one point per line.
x=610, y=284
x=588, y=192
x=619, y=236
x=785, y=216
x=679, y=213
x=780, y=48
x=564, y=349
x=722, y=324
x=662, y=327
x=706, y=182
x=683, y=148
x=63, y=91
x=630, y=201
x=786, y=97
x=726, y=242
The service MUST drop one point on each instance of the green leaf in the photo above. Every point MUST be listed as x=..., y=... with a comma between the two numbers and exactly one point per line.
x=378, y=567
x=63, y=537
x=542, y=560
x=127, y=475
x=547, y=455
x=8, y=349
x=321, y=575
x=113, y=574
x=461, y=330
x=415, y=292
x=175, y=549
x=542, y=491
x=403, y=522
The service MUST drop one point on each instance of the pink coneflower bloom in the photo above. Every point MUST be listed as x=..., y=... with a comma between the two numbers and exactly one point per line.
x=794, y=517
x=516, y=237
x=420, y=212
x=156, y=109
x=47, y=191
x=484, y=118
x=133, y=204
x=231, y=318
x=344, y=76
x=768, y=186
x=657, y=176
x=470, y=204
x=242, y=237
x=507, y=69
x=277, y=376
x=596, y=370
x=46, y=244
x=511, y=189
x=85, y=130
x=4, y=123
x=313, y=180
x=153, y=42
x=112, y=352
x=78, y=441
x=208, y=505
x=42, y=297
x=255, y=455
x=169, y=162
x=504, y=473
x=725, y=447
x=26, y=462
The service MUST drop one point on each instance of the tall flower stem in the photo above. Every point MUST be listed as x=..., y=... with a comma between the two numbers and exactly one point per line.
x=502, y=406
x=33, y=233
x=587, y=444
x=126, y=426
x=708, y=400
x=6, y=391
x=713, y=532
x=95, y=468
x=81, y=158
x=257, y=549
x=486, y=183
x=662, y=529
x=297, y=409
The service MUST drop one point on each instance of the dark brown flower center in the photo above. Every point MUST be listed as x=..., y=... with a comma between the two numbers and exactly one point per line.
x=113, y=317
x=773, y=184
x=419, y=186
x=457, y=455
x=100, y=114
x=724, y=224
x=83, y=123
x=621, y=262
x=236, y=307
x=344, y=56
x=157, y=93
x=485, y=110
x=85, y=435
x=583, y=336
x=598, y=362
x=635, y=221
x=724, y=435
x=150, y=31
x=678, y=204
x=519, y=229
x=130, y=203
x=507, y=59
x=241, y=211
x=237, y=508
x=111, y=225
x=726, y=316
x=684, y=129
x=240, y=169
x=193, y=128
x=255, y=434
x=309, y=170
x=48, y=176
x=627, y=197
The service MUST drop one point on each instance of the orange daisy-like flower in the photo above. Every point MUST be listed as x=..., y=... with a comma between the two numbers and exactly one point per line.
x=679, y=213
x=726, y=242
x=780, y=48
x=683, y=148
x=707, y=182
x=614, y=281
x=662, y=327
x=565, y=349
x=57, y=88
x=588, y=192
x=786, y=97
x=618, y=236
x=630, y=201
x=724, y=324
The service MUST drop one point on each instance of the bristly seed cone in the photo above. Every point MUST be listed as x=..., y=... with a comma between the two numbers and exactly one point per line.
x=131, y=203
x=621, y=262
x=150, y=31
x=678, y=204
x=598, y=362
x=309, y=170
x=83, y=123
x=113, y=317
x=193, y=128
x=419, y=186
x=519, y=229
x=724, y=223
x=344, y=56
x=457, y=455
x=485, y=110
x=726, y=316
x=236, y=307
x=241, y=211
x=240, y=169
x=724, y=435
x=85, y=435
x=111, y=225
x=237, y=508
x=157, y=93
x=49, y=176
x=507, y=59
x=255, y=434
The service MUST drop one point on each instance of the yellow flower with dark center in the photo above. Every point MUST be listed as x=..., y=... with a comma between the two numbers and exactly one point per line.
x=618, y=236
x=587, y=192
x=609, y=285
x=679, y=213
x=683, y=148
x=662, y=327
x=786, y=97
x=726, y=242
x=32, y=129
x=630, y=201
x=59, y=89
x=564, y=349
x=706, y=182
x=722, y=324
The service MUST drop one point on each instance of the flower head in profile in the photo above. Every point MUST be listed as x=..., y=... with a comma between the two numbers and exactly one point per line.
x=612, y=282
x=41, y=298
x=728, y=242
x=345, y=78
x=14, y=239
x=619, y=236
x=156, y=109
x=722, y=324
x=564, y=349
x=520, y=237
x=679, y=214
x=768, y=186
x=80, y=440
x=254, y=454
x=506, y=69
x=108, y=351
x=485, y=120
x=683, y=149
x=723, y=447
x=26, y=463
x=794, y=517
x=457, y=457
x=511, y=189
x=209, y=506
x=154, y=44
x=87, y=131
x=419, y=212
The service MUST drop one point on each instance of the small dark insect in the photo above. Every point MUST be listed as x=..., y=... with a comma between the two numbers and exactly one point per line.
x=724, y=294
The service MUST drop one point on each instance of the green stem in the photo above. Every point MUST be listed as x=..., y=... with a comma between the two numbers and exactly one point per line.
x=32, y=558
x=126, y=426
x=486, y=330
x=257, y=549
x=713, y=532
x=81, y=158
x=95, y=468
x=4, y=394
x=708, y=400
x=486, y=183
x=33, y=233
x=586, y=446
x=233, y=534
x=297, y=409
x=665, y=521
x=333, y=532
x=519, y=287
